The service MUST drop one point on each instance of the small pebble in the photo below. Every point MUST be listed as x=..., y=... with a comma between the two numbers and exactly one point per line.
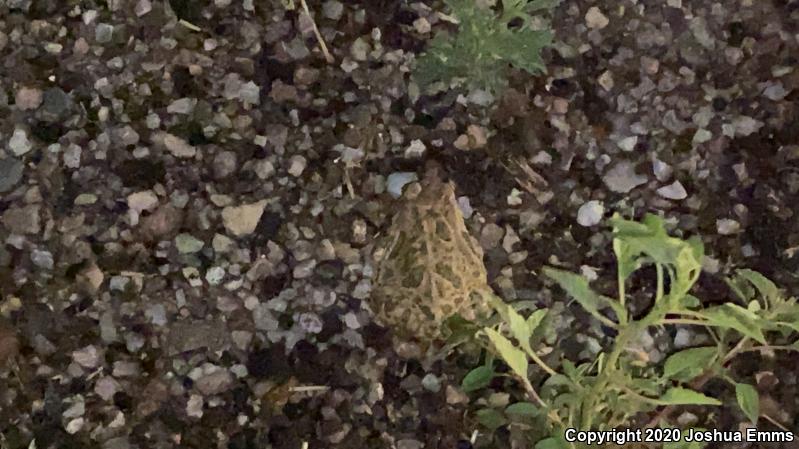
x=188, y=244
x=590, y=213
x=595, y=19
x=727, y=226
x=397, y=180
x=673, y=191
x=19, y=143
x=297, y=165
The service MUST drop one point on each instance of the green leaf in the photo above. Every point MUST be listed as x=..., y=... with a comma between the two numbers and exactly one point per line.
x=484, y=46
x=477, y=378
x=748, y=400
x=626, y=259
x=735, y=317
x=491, y=418
x=684, y=396
x=688, y=302
x=577, y=287
x=536, y=5
x=534, y=320
x=459, y=329
x=689, y=363
x=522, y=329
x=514, y=357
x=523, y=409
x=518, y=328
x=767, y=289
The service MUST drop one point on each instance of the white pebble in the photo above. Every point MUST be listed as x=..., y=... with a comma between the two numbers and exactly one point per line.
x=590, y=213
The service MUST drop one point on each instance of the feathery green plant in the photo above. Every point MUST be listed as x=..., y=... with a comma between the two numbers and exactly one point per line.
x=486, y=43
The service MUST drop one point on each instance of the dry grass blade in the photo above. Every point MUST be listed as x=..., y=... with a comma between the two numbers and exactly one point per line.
x=318, y=35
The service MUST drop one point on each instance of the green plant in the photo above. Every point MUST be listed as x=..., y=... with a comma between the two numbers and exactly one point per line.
x=620, y=384
x=487, y=42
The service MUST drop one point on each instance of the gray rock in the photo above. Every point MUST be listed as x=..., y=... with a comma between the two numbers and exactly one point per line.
x=727, y=226
x=264, y=169
x=214, y=383
x=178, y=147
x=103, y=33
x=182, y=106
x=409, y=444
x=19, y=143
x=673, y=123
x=22, y=220
x=141, y=201
x=42, y=259
x=10, y=173
x=332, y=9
x=622, y=177
x=56, y=105
x=775, y=92
x=117, y=443
x=673, y=191
x=297, y=165
x=431, y=383
x=264, y=319
x=192, y=335
x=224, y=164
x=396, y=181
x=188, y=244
x=359, y=50
x=142, y=7
x=699, y=29
x=745, y=126
x=250, y=93
x=87, y=357
x=297, y=49
x=661, y=170
x=242, y=220
x=304, y=269
x=125, y=136
x=72, y=156
x=595, y=19
x=28, y=98
x=491, y=235
x=310, y=323
x=215, y=275
x=590, y=213
x=683, y=338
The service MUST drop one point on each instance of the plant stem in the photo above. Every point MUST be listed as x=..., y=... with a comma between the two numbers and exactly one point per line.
x=659, y=291
x=765, y=348
x=604, y=378
x=682, y=321
x=541, y=363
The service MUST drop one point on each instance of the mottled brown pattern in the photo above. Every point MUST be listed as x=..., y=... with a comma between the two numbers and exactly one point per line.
x=429, y=266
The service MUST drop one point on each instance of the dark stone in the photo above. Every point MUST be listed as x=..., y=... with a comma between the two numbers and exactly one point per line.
x=719, y=104
x=331, y=325
x=47, y=132
x=10, y=173
x=330, y=270
x=269, y=225
x=141, y=173
x=737, y=33
x=269, y=363
x=56, y=104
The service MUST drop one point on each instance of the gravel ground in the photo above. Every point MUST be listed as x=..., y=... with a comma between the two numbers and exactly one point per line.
x=189, y=194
